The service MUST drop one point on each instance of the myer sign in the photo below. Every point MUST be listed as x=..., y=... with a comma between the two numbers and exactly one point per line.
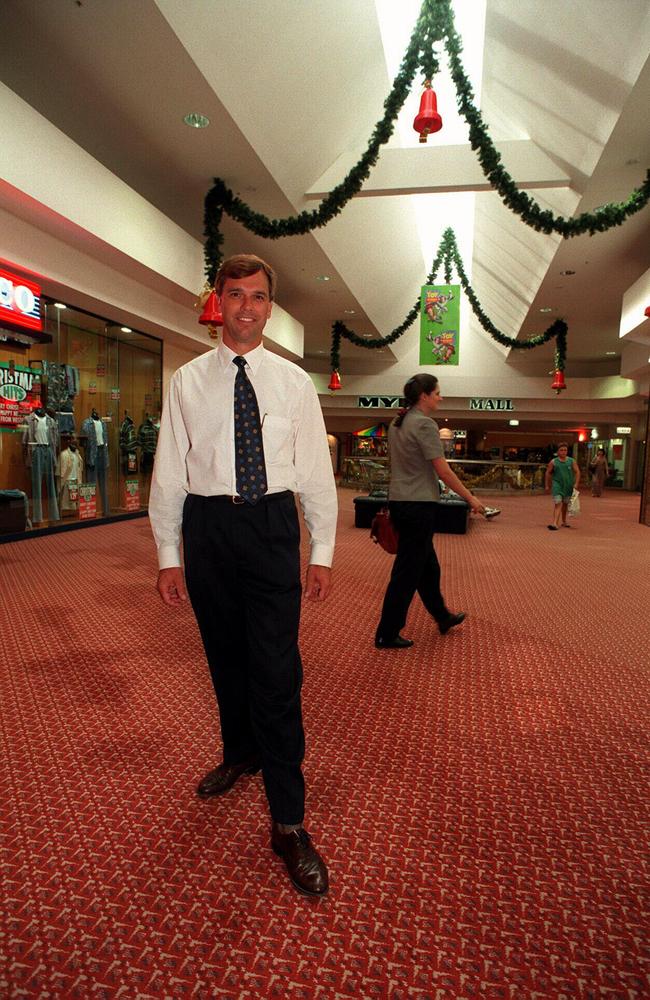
x=490, y=404
x=380, y=402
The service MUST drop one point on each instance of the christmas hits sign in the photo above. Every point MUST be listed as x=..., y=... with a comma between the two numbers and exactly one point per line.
x=20, y=393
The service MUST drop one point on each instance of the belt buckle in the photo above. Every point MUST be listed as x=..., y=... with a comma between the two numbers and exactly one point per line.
x=238, y=500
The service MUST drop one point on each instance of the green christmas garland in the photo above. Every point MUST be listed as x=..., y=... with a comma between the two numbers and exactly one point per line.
x=434, y=24
x=449, y=253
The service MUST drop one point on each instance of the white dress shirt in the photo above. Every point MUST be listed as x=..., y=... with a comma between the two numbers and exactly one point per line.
x=196, y=445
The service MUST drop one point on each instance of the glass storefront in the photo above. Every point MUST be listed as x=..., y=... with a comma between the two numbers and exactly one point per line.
x=79, y=417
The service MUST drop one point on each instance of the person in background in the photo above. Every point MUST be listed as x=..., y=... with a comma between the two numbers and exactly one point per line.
x=417, y=463
x=242, y=432
x=562, y=477
x=599, y=473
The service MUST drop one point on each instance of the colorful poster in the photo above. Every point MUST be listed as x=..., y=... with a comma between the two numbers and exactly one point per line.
x=132, y=494
x=440, y=325
x=20, y=393
x=87, y=501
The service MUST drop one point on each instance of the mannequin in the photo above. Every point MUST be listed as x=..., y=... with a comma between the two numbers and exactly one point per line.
x=39, y=448
x=95, y=435
x=147, y=440
x=70, y=473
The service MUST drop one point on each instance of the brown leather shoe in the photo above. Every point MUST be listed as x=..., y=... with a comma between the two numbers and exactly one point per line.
x=218, y=781
x=306, y=868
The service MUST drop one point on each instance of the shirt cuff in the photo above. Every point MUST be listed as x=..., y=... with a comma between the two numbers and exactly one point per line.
x=169, y=556
x=321, y=554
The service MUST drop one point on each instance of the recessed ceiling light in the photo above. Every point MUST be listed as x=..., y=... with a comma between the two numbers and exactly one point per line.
x=567, y=271
x=322, y=277
x=349, y=312
x=609, y=353
x=514, y=423
x=195, y=120
x=126, y=329
x=60, y=305
x=367, y=336
x=546, y=309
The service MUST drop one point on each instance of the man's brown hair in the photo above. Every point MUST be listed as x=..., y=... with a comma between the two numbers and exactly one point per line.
x=242, y=265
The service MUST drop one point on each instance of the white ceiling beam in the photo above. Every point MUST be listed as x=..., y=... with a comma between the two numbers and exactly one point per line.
x=436, y=169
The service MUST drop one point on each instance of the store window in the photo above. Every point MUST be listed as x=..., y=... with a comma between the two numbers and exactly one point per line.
x=80, y=407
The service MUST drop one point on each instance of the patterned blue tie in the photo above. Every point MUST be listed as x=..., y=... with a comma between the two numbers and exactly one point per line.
x=249, y=450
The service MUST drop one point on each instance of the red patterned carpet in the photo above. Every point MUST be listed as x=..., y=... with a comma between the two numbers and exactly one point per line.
x=482, y=798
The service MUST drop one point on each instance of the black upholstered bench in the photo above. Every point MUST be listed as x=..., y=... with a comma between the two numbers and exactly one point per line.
x=452, y=515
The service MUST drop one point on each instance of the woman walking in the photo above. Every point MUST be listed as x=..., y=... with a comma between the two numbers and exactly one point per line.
x=599, y=473
x=417, y=463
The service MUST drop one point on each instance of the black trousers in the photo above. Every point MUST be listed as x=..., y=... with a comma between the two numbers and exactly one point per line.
x=242, y=567
x=416, y=568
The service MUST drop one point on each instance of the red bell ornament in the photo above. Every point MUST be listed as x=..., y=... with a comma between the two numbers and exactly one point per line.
x=558, y=382
x=428, y=120
x=647, y=312
x=335, y=382
x=211, y=315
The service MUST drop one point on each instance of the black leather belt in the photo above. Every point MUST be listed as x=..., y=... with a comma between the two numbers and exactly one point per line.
x=267, y=498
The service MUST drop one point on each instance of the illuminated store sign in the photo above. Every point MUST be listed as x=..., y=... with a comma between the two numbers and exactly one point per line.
x=491, y=404
x=623, y=430
x=20, y=302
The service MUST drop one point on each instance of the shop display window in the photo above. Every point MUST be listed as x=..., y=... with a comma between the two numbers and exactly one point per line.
x=79, y=420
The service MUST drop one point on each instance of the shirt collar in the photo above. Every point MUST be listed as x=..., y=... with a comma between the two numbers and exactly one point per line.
x=254, y=358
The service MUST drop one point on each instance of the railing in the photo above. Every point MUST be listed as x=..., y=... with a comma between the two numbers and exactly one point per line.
x=515, y=477
x=365, y=473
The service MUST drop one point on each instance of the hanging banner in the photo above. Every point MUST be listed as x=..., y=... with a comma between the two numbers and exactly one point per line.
x=87, y=501
x=440, y=325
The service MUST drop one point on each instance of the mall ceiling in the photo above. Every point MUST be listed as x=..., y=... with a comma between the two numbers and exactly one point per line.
x=293, y=89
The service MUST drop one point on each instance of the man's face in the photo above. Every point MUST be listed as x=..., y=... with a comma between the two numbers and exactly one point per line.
x=245, y=307
x=562, y=453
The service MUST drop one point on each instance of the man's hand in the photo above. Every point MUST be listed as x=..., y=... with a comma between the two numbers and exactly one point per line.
x=318, y=582
x=477, y=505
x=171, y=586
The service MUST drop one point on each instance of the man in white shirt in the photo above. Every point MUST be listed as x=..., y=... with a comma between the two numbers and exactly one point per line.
x=242, y=432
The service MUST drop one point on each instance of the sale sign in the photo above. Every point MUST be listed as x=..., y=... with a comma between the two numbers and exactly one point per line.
x=132, y=494
x=87, y=501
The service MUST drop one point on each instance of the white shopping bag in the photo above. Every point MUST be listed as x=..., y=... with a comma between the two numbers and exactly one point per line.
x=574, y=504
